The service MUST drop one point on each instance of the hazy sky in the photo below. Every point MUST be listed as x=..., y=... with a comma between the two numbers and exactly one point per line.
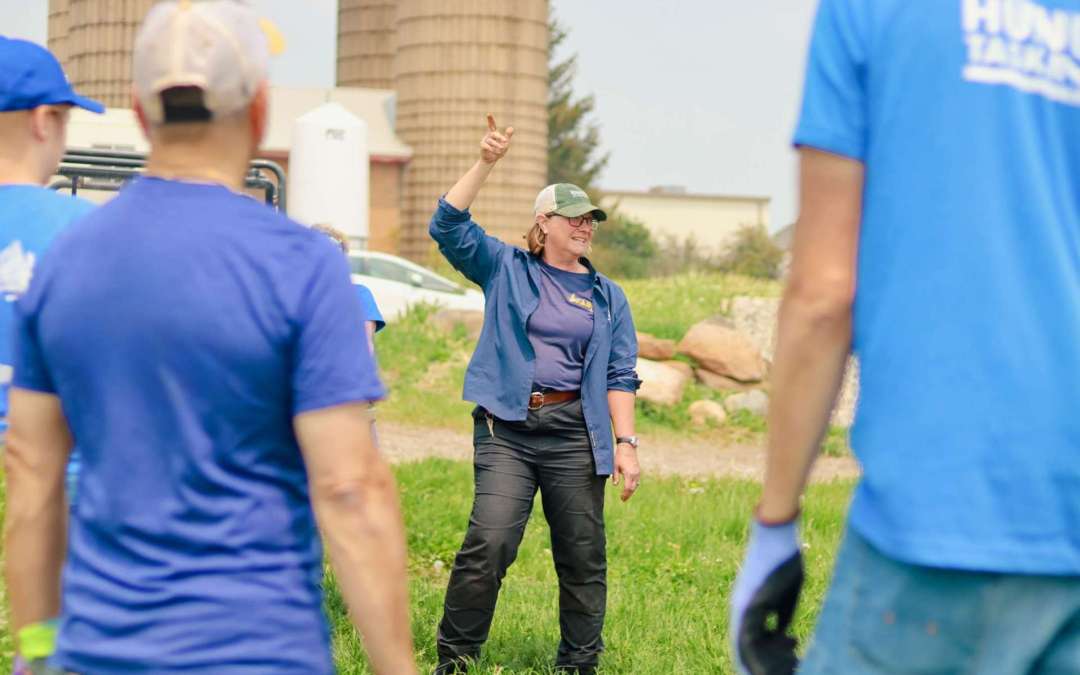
x=700, y=93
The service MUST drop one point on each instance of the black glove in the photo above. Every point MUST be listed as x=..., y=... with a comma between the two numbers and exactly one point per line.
x=764, y=600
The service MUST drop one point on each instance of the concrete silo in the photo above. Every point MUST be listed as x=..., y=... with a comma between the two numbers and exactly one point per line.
x=58, y=29
x=100, y=35
x=366, y=43
x=455, y=61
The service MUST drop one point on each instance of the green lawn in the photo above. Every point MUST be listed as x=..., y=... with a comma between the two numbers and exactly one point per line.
x=668, y=306
x=673, y=551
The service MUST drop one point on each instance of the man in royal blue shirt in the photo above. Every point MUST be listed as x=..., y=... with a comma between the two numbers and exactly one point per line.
x=35, y=103
x=208, y=357
x=939, y=238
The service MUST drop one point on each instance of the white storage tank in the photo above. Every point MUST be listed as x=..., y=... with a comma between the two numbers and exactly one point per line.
x=328, y=171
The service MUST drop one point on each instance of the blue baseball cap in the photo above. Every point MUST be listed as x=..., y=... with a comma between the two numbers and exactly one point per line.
x=31, y=76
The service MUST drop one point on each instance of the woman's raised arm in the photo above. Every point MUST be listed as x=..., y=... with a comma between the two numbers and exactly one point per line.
x=493, y=148
x=461, y=240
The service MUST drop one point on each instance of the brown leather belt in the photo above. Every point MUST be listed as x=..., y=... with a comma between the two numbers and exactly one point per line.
x=539, y=399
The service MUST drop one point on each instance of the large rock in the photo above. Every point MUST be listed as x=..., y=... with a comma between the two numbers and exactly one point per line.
x=654, y=348
x=755, y=401
x=681, y=366
x=704, y=412
x=721, y=382
x=447, y=319
x=756, y=319
x=724, y=351
x=660, y=383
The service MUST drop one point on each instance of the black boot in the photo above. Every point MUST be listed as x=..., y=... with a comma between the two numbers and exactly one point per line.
x=576, y=670
x=452, y=665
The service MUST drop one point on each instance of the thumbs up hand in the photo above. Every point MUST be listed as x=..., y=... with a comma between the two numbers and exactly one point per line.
x=495, y=144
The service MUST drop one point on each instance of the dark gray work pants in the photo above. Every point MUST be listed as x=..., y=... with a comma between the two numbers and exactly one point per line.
x=549, y=451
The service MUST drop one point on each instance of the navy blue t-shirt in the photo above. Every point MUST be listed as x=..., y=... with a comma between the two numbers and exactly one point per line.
x=560, y=328
x=183, y=326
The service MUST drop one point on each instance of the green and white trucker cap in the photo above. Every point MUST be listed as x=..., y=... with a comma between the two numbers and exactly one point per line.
x=566, y=200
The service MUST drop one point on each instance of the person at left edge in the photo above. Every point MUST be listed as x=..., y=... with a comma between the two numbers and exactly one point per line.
x=35, y=103
x=208, y=357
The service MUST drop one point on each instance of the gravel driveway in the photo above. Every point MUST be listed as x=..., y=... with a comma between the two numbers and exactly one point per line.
x=662, y=456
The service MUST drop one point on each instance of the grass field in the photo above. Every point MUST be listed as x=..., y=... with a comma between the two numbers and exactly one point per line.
x=668, y=306
x=673, y=551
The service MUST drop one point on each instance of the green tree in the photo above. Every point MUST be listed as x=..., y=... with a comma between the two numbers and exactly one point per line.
x=573, y=140
x=754, y=253
x=623, y=248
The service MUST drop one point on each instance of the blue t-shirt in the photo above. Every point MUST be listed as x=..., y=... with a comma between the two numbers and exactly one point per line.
x=30, y=217
x=560, y=328
x=967, y=309
x=184, y=326
x=369, y=308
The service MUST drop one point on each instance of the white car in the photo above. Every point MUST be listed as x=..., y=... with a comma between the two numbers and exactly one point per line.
x=397, y=283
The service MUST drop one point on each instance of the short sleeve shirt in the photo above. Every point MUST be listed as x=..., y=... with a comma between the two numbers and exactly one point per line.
x=966, y=115
x=183, y=326
x=30, y=218
x=369, y=307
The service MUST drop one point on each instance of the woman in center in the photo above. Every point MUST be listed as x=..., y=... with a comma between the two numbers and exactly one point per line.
x=552, y=376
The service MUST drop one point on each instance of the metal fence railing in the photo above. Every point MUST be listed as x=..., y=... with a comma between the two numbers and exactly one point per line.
x=108, y=170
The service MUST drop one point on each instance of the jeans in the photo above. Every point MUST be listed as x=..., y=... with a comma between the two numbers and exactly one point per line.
x=885, y=616
x=548, y=451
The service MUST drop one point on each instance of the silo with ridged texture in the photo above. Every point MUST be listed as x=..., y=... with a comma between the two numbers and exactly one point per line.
x=58, y=30
x=366, y=43
x=456, y=61
x=100, y=39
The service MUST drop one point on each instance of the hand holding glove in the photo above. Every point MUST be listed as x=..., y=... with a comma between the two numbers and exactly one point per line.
x=764, y=599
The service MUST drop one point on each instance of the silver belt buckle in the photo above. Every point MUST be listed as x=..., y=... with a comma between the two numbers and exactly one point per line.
x=533, y=398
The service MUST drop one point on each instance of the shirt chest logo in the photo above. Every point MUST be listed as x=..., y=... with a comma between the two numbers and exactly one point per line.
x=1024, y=45
x=578, y=301
x=16, y=268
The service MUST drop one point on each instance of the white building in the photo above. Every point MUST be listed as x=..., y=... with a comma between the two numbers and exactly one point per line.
x=673, y=213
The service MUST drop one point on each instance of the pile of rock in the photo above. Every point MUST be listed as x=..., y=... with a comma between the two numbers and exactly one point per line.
x=756, y=319
x=729, y=354
x=724, y=359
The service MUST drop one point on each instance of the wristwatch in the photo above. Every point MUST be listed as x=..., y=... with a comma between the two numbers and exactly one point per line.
x=632, y=441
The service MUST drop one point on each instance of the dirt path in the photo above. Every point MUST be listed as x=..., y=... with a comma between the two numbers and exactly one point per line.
x=660, y=456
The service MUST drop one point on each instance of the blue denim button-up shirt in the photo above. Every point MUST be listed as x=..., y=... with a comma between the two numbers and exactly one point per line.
x=500, y=374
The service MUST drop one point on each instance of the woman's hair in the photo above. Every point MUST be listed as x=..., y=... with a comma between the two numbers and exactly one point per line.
x=535, y=239
x=337, y=235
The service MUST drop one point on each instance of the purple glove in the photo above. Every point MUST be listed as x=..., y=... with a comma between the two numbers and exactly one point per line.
x=768, y=585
